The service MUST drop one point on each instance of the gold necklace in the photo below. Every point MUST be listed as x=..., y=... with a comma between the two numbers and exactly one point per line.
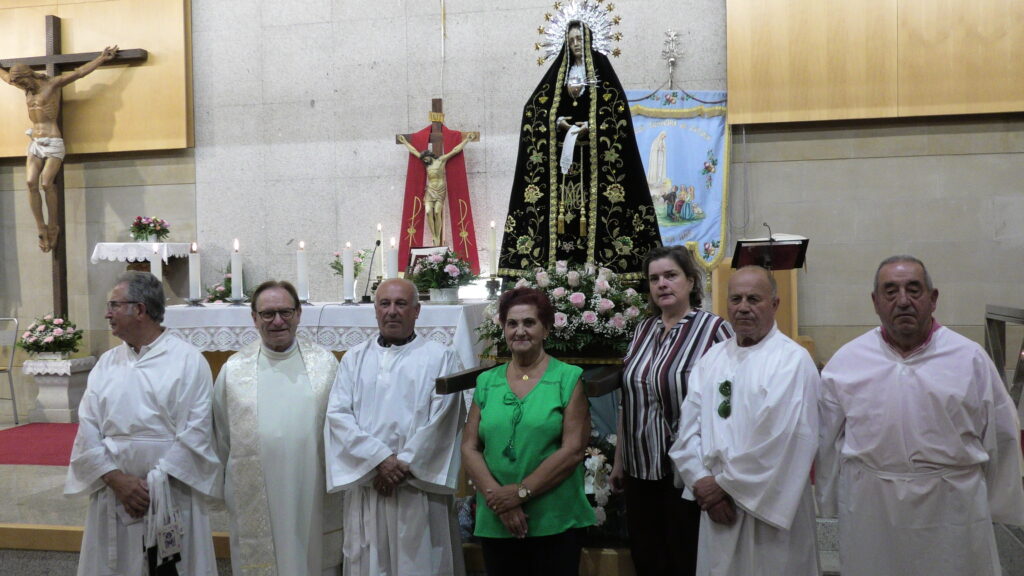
x=526, y=376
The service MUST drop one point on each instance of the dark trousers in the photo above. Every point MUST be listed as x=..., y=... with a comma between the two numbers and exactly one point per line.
x=555, y=555
x=663, y=528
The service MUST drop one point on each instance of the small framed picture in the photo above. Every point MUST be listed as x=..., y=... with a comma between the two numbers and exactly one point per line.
x=417, y=252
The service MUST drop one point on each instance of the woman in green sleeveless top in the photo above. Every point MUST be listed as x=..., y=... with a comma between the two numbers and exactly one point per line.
x=523, y=447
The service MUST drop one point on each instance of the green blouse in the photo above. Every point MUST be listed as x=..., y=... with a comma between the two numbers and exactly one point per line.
x=517, y=436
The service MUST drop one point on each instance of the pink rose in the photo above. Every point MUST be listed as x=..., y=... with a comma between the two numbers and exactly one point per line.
x=435, y=258
x=632, y=312
x=417, y=269
x=559, y=293
x=577, y=299
x=452, y=270
x=30, y=339
x=357, y=260
x=70, y=330
x=561, y=320
x=58, y=321
x=48, y=340
x=543, y=281
x=40, y=328
x=227, y=276
x=561, y=267
x=573, y=278
x=58, y=331
x=48, y=317
x=605, y=274
x=605, y=305
x=218, y=287
x=590, y=317
x=630, y=292
x=26, y=335
x=618, y=321
x=602, y=287
x=522, y=283
x=337, y=254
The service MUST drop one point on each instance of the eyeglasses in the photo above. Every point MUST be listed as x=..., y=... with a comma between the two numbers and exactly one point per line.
x=512, y=400
x=285, y=313
x=115, y=304
x=725, y=408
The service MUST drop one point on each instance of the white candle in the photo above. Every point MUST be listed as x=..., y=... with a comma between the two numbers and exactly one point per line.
x=302, y=272
x=348, y=277
x=195, y=286
x=392, y=258
x=380, y=246
x=494, y=249
x=236, y=273
x=156, y=264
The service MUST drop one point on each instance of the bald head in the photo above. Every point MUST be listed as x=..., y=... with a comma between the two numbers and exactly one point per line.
x=397, y=306
x=753, y=301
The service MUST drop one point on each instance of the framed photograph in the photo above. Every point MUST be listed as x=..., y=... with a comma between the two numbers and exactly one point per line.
x=417, y=252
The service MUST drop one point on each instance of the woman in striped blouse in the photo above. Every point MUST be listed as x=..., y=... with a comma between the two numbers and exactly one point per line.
x=662, y=526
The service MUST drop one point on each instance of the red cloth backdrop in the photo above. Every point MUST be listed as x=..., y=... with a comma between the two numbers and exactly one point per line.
x=460, y=210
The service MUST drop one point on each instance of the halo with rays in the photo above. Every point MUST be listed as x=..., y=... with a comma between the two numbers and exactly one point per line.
x=595, y=14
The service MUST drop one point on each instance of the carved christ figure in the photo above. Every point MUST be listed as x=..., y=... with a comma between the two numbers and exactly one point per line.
x=46, y=152
x=437, y=186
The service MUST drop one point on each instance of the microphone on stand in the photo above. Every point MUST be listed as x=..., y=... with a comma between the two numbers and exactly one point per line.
x=366, y=292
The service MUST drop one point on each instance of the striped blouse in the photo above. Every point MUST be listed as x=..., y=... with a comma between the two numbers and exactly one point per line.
x=654, y=385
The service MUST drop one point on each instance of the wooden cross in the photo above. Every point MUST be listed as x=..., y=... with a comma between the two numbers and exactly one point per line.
x=54, y=62
x=436, y=120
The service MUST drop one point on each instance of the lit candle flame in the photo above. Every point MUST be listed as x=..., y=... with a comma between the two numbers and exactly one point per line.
x=236, y=244
x=195, y=248
x=302, y=245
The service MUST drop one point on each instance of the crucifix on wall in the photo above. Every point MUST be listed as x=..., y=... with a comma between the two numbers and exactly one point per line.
x=436, y=172
x=44, y=169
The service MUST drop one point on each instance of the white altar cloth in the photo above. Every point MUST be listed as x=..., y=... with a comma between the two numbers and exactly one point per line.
x=138, y=251
x=222, y=327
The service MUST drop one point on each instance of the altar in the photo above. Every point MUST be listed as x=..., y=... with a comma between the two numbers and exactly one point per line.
x=219, y=327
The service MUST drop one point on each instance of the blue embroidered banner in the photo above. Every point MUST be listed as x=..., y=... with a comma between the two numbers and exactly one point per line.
x=684, y=144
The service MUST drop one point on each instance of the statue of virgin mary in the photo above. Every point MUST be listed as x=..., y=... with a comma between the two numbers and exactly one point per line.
x=580, y=191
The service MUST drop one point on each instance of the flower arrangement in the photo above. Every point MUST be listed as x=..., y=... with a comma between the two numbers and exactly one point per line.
x=221, y=291
x=609, y=509
x=442, y=271
x=144, y=227
x=50, y=334
x=594, y=311
x=359, y=258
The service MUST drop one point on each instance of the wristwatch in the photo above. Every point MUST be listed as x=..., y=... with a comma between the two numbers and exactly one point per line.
x=524, y=493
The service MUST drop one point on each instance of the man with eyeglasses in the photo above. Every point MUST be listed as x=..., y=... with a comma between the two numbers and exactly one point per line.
x=393, y=446
x=920, y=448
x=144, y=450
x=747, y=438
x=268, y=417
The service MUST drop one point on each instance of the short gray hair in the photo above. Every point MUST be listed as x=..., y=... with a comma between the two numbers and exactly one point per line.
x=903, y=258
x=143, y=287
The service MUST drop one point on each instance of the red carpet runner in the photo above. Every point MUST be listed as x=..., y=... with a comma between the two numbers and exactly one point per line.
x=37, y=444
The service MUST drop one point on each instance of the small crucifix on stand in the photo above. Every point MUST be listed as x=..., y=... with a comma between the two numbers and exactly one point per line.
x=45, y=157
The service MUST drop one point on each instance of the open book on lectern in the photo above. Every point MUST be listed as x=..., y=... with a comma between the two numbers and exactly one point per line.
x=775, y=252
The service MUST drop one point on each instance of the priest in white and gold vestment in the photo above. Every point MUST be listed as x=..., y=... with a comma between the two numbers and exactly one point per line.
x=393, y=447
x=144, y=424
x=268, y=412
